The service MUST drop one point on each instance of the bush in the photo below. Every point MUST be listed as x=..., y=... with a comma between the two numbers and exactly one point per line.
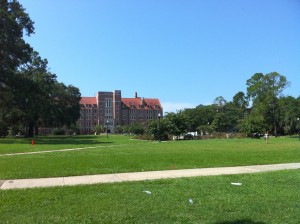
x=58, y=131
x=204, y=137
x=164, y=137
x=188, y=137
x=240, y=135
x=222, y=135
x=143, y=137
x=14, y=130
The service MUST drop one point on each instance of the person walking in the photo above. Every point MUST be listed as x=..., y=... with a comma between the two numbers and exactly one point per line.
x=266, y=137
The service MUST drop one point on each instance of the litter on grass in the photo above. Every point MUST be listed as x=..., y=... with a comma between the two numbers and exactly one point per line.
x=191, y=201
x=147, y=192
x=237, y=184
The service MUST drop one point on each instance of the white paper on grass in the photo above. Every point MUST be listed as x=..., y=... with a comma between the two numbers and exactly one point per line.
x=237, y=184
x=147, y=192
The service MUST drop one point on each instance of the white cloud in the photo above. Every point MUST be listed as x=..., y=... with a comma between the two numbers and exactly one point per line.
x=173, y=107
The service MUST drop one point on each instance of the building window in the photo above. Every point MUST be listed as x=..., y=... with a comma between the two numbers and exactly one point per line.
x=108, y=102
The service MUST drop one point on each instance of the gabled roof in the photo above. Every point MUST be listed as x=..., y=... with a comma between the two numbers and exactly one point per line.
x=147, y=103
x=133, y=103
x=88, y=101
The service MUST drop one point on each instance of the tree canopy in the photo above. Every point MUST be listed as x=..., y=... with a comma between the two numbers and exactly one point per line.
x=30, y=94
x=269, y=111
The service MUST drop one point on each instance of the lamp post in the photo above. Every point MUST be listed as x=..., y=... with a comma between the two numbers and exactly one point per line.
x=298, y=119
x=106, y=129
x=159, y=115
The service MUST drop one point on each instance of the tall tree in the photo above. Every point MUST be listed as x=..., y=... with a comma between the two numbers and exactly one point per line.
x=200, y=116
x=179, y=123
x=13, y=22
x=226, y=119
x=289, y=113
x=65, y=105
x=253, y=123
x=159, y=128
x=240, y=100
x=29, y=93
x=220, y=102
x=36, y=83
x=265, y=90
x=14, y=51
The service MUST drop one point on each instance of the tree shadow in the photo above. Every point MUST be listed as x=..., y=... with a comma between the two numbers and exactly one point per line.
x=295, y=136
x=59, y=140
x=242, y=221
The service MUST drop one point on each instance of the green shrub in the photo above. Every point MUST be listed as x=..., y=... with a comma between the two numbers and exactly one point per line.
x=58, y=131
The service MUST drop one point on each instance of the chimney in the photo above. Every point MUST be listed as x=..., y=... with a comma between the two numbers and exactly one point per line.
x=136, y=96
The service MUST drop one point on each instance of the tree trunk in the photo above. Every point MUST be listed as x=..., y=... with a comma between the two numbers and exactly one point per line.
x=36, y=130
x=275, y=129
x=30, y=130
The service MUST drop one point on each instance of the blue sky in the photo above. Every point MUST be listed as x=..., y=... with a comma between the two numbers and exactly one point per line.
x=185, y=53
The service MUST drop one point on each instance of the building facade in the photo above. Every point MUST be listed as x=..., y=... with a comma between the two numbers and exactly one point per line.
x=109, y=109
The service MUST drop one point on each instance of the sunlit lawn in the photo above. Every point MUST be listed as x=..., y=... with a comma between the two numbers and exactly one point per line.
x=263, y=198
x=122, y=154
x=271, y=197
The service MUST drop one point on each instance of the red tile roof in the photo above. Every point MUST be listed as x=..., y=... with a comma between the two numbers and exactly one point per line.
x=137, y=102
x=88, y=100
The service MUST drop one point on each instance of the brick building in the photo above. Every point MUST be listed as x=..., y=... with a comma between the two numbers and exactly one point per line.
x=110, y=110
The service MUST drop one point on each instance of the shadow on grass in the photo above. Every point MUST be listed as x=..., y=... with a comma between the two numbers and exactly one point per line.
x=243, y=221
x=295, y=136
x=59, y=140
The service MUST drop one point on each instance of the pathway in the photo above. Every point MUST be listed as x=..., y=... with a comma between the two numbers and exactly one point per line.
x=140, y=176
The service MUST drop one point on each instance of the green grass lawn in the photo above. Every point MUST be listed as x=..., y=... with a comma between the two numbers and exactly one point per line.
x=121, y=154
x=263, y=198
x=16, y=145
x=271, y=197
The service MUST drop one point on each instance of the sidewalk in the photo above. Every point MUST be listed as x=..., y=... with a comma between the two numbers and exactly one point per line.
x=140, y=176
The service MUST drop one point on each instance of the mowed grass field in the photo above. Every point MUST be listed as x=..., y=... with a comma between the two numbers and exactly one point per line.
x=99, y=155
x=263, y=198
